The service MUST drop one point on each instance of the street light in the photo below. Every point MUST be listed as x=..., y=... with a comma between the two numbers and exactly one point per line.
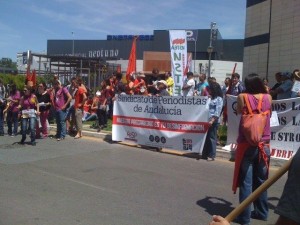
x=210, y=49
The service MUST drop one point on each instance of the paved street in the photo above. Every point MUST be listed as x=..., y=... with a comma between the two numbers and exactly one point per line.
x=92, y=182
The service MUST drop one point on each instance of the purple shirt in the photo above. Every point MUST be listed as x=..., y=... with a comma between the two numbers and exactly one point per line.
x=60, y=98
x=14, y=106
x=29, y=102
x=266, y=105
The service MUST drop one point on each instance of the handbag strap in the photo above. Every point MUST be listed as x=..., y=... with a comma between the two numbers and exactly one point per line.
x=259, y=106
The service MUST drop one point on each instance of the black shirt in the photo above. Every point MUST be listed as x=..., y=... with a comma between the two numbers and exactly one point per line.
x=45, y=97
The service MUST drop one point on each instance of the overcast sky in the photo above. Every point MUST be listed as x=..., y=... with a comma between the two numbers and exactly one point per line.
x=28, y=24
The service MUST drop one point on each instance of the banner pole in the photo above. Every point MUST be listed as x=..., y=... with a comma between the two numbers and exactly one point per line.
x=251, y=198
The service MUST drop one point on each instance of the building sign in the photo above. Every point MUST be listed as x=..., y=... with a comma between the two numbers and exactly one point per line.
x=130, y=37
x=104, y=53
x=191, y=35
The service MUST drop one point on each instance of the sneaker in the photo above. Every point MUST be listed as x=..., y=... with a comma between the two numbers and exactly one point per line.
x=33, y=143
x=58, y=139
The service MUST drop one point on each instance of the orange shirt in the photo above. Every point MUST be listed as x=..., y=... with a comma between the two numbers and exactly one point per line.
x=79, y=97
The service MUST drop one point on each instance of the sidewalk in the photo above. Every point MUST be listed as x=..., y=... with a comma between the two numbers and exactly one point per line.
x=107, y=136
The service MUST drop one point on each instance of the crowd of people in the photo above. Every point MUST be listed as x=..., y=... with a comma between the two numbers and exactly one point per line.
x=74, y=103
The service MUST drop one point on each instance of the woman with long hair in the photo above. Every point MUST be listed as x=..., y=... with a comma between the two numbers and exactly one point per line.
x=252, y=162
x=30, y=109
x=44, y=102
x=215, y=109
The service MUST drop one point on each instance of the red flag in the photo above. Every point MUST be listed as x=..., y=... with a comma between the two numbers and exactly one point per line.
x=132, y=59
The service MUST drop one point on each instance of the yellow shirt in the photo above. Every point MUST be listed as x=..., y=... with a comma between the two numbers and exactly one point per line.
x=170, y=83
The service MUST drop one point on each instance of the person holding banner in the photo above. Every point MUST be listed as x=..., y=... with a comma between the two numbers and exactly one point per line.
x=215, y=109
x=30, y=109
x=252, y=162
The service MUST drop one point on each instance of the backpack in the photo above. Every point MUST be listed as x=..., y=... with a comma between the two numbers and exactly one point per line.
x=253, y=124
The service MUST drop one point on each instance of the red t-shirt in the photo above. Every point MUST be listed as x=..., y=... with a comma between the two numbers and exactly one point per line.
x=79, y=97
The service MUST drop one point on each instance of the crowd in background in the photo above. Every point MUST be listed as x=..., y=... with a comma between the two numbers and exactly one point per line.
x=73, y=103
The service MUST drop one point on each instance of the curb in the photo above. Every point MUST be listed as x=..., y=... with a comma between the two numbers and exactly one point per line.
x=221, y=154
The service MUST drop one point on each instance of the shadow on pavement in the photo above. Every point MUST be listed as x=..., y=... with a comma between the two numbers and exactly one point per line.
x=215, y=206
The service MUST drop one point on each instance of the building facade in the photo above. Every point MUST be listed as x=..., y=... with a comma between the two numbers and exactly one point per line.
x=272, y=37
x=116, y=49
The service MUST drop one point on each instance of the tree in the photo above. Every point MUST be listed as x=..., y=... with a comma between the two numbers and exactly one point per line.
x=8, y=63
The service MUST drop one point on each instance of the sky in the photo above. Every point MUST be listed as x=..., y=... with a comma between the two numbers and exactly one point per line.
x=28, y=24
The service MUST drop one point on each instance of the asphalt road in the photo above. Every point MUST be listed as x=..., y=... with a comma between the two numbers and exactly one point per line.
x=91, y=182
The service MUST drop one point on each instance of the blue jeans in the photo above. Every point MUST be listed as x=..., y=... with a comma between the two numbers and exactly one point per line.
x=1, y=120
x=91, y=117
x=12, y=120
x=253, y=173
x=61, y=123
x=31, y=122
x=210, y=145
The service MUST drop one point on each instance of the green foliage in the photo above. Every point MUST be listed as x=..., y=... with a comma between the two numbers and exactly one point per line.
x=222, y=134
x=19, y=80
x=8, y=63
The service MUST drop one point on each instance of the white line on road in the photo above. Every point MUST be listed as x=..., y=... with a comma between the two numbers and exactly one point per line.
x=80, y=182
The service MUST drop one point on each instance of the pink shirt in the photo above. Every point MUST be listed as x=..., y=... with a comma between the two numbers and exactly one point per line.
x=60, y=98
x=29, y=102
x=14, y=106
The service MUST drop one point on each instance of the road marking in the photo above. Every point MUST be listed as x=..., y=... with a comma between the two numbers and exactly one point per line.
x=80, y=182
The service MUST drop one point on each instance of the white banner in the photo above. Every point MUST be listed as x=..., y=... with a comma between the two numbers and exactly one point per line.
x=178, y=49
x=177, y=123
x=285, y=138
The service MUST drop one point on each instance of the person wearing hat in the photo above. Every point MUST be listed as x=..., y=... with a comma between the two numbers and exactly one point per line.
x=284, y=91
x=139, y=85
x=296, y=84
x=162, y=86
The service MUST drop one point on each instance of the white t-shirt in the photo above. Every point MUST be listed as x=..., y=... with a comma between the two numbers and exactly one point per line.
x=189, y=91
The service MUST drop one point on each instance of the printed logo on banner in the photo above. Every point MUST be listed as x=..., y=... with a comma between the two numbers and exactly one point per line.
x=157, y=139
x=151, y=138
x=131, y=136
x=187, y=144
x=178, y=41
x=234, y=107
